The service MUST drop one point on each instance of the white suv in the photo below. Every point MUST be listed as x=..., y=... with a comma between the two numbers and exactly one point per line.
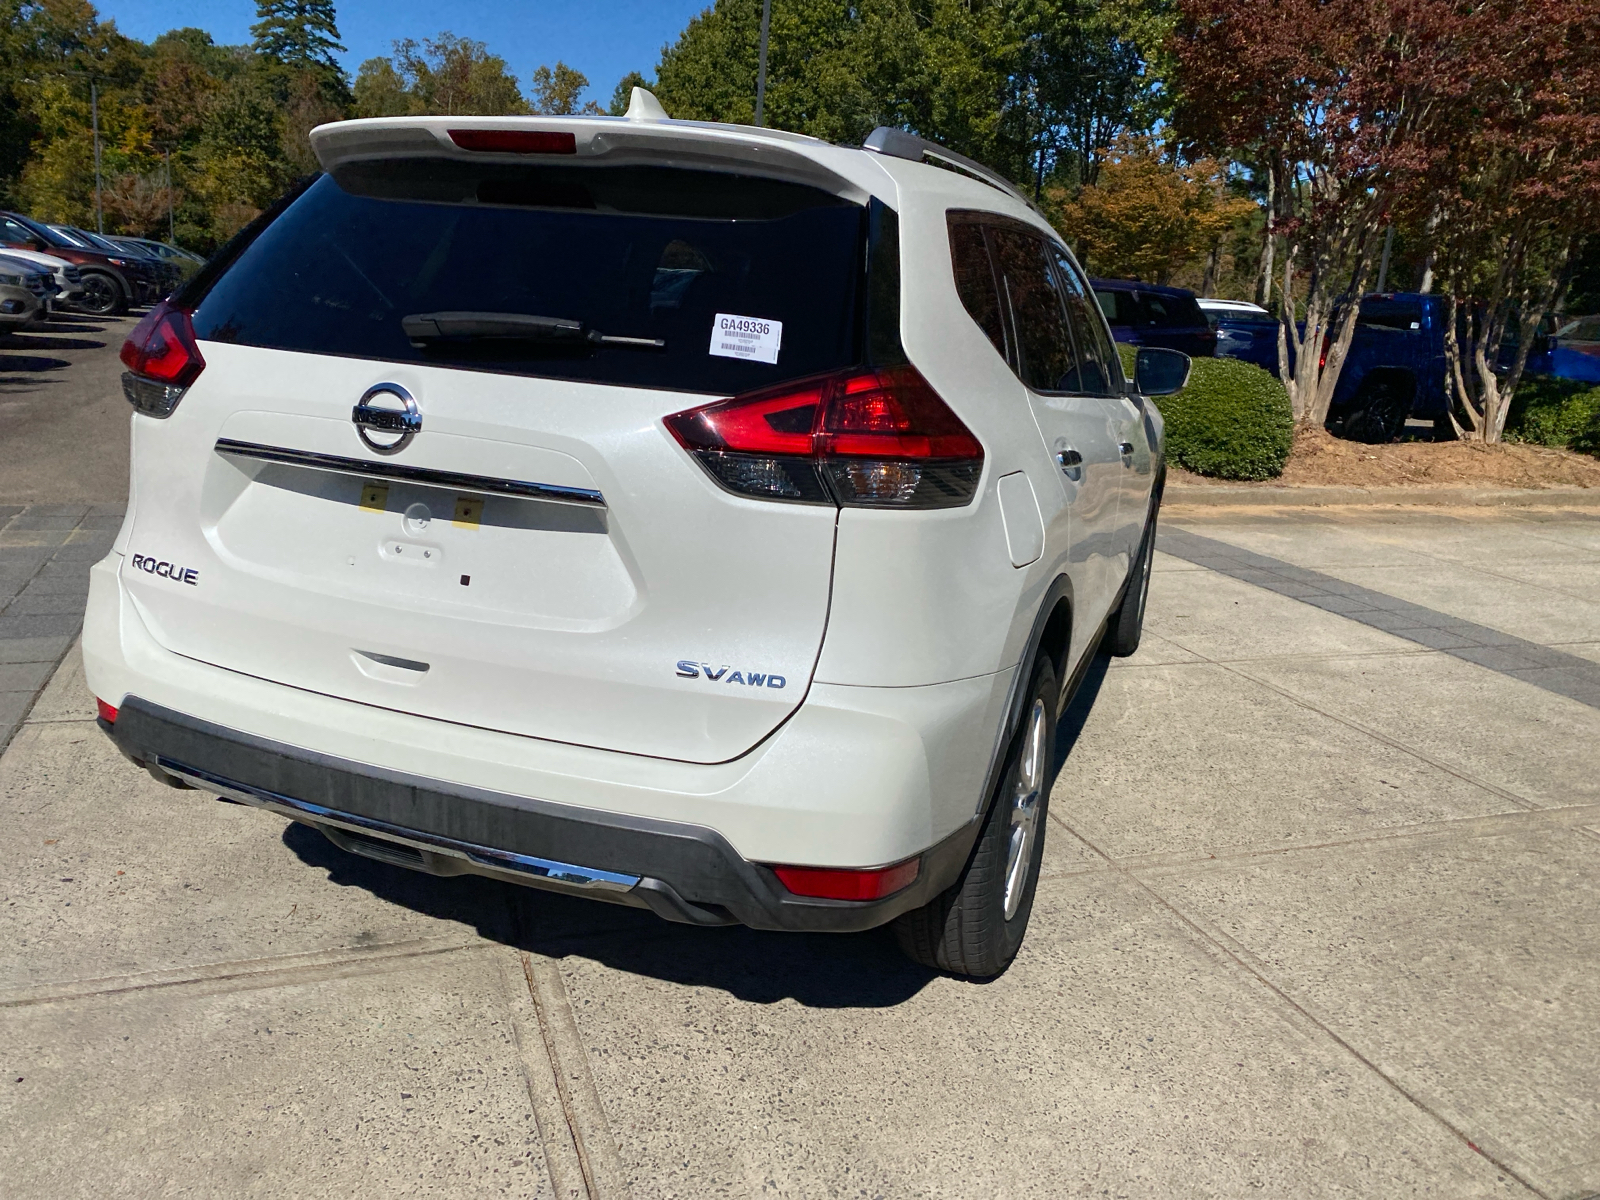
x=701, y=518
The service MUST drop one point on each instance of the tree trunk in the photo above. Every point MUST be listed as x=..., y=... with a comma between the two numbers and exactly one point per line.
x=1268, y=237
x=1208, y=285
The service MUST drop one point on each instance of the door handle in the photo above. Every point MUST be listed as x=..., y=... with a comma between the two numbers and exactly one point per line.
x=1071, y=463
x=1126, y=448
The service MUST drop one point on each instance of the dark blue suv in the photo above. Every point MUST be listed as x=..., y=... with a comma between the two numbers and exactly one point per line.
x=1146, y=314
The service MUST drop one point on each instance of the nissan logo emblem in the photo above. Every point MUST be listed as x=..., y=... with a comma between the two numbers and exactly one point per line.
x=386, y=429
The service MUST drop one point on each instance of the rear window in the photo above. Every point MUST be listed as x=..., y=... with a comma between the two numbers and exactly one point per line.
x=1383, y=314
x=654, y=254
x=1163, y=311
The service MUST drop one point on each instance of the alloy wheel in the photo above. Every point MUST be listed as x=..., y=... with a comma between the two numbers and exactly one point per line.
x=99, y=294
x=1025, y=807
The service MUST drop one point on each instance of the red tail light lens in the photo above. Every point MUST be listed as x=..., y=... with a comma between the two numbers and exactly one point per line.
x=1322, y=359
x=515, y=141
x=107, y=713
x=875, y=438
x=162, y=360
x=832, y=884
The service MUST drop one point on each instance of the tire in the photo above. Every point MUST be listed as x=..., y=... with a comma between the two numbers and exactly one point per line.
x=1126, y=626
x=1377, y=415
x=975, y=927
x=102, y=295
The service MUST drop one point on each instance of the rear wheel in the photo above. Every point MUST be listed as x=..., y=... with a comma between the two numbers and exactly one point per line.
x=975, y=928
x=102, y=295
x=1378, y=413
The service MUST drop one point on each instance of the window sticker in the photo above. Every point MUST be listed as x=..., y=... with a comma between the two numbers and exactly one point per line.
x=748, y=338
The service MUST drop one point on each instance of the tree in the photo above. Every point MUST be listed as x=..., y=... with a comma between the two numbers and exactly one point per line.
x=1148, y=216
x=445, y=75
x=297, y=33
x=556, y=91
x=1516, y=191
x=1336, y=100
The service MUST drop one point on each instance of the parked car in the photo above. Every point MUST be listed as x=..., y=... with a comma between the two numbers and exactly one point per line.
x=65, y=284
x=1244, y=331
x=662, y=557
x=1575, y=350
x=151, y=277
x=24, y=295
x=185, y=261
x=107, y=280
x=1393, y=370
x=1145, y=314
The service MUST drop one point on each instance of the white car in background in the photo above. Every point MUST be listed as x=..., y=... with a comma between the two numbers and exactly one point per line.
x=702, y=518
x=68, y=284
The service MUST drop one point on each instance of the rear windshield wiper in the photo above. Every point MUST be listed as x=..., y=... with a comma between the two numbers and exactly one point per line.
x=423, y=328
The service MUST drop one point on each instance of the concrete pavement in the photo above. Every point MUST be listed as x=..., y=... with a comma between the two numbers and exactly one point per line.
x=1320, y=917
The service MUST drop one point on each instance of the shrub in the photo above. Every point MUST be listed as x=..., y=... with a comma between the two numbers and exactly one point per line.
x=1232, y=420
x=1553, y=412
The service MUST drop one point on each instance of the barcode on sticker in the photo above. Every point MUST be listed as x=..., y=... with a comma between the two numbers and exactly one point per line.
x=753, y=339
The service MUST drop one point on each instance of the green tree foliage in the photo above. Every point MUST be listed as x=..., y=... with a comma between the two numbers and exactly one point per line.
x=556, y=90
x=1036, y=88
x=445, y=75
x=297, y=33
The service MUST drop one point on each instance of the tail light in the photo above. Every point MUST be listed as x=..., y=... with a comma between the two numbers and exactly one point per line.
x=829, y=883
x=870, y=439
x=1322, y=359
x=105, y=711
x=162, y=360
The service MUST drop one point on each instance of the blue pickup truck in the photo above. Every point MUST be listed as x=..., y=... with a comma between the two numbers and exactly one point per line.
x=1393, y=370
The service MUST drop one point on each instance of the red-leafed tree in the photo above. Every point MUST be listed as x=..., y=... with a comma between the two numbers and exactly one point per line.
x=1515, y=186
x=1334, y=102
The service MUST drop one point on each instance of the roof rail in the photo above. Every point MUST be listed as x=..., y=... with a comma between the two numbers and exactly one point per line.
x=897, y=143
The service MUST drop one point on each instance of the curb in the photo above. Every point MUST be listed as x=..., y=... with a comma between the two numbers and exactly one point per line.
x=1205, y=496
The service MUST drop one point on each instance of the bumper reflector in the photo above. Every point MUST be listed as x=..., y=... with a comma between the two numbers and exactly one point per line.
x=107, y=713
x=831, y=883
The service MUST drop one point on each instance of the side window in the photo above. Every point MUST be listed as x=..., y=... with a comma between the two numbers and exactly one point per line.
x=1114, y=305
x=975, y=282
x=1048, y=359
x=1102, y=371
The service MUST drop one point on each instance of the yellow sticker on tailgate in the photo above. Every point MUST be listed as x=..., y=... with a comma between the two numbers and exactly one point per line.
x=374, y=497
x=469, y=512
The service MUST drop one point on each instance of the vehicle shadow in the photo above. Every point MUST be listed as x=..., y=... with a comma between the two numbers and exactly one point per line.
x=33, y=341
x=862, y=970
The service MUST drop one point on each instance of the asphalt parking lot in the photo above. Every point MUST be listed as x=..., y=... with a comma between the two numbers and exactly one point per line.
x=1320, y=916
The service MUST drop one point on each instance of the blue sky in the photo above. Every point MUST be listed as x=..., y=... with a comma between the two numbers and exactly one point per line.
x=603, y=41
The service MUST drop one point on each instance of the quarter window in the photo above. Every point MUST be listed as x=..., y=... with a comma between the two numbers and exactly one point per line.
x=975, y=282
x=1048, y=360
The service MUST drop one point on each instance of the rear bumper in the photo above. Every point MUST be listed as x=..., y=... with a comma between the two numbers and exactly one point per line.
x=857, y=777
x=681, y=872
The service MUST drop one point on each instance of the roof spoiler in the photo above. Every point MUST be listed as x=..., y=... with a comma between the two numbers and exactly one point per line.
x=897, y=143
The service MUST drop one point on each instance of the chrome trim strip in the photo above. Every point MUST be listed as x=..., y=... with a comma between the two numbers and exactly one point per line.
x=566, y=874
x=452, y=480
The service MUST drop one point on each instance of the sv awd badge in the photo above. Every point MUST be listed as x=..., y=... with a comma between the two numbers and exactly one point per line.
x=689, y=670
x=151, y=565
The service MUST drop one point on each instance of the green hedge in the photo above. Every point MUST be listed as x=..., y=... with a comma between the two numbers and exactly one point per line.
x=1555, y=412
x=1232, y=420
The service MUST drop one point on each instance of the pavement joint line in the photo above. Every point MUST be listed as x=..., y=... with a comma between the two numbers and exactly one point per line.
x=1242, y=959
x=1444, y=829
x=246, y=974
x=561, y=1157
x=1378, y=735
x=1399, y=618
x=596, y=1145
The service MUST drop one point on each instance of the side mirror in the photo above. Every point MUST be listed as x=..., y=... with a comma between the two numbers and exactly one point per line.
x=1158, y=372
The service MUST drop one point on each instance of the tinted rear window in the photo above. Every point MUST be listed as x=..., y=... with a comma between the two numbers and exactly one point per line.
x=1382, y=314
x=633, y=252
x=1164, y=311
